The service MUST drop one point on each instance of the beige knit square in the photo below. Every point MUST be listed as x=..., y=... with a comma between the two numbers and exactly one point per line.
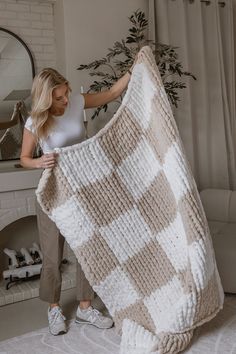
x=157, y=204
x=193, y=216
x=150, y=269
x=117, y=145
x=138, y=313
x=58, y=190
x=101, y=262
x=96, y=199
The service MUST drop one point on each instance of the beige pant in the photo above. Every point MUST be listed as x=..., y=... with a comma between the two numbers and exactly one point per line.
x=51, y=243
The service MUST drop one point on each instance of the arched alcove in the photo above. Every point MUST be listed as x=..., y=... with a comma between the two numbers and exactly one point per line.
x=12, y=217
x=20, y=233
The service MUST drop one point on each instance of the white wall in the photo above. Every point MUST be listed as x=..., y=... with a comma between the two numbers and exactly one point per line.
x=90, y=27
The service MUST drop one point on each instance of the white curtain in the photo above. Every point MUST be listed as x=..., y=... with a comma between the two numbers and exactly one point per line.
x=204, y=33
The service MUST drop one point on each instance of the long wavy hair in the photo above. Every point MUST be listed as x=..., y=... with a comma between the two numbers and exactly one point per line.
x=43, y=85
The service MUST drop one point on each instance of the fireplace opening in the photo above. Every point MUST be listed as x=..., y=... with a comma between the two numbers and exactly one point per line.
x=22, y=233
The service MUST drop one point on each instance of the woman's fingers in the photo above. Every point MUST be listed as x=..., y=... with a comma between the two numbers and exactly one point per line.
x=134, y=62
x=49, y=160
x=49, y=157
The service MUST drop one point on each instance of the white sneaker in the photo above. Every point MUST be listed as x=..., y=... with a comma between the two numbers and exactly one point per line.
x=93, y=317
x=56, y=321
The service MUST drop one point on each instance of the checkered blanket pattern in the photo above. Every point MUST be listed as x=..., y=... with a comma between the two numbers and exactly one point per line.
x=127, y=204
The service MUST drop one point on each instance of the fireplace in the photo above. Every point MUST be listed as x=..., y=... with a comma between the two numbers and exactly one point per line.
x=18, y=228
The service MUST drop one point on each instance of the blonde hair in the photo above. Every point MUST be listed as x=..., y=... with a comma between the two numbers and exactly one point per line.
x=41, y=93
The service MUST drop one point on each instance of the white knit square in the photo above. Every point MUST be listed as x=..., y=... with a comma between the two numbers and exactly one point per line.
x=175, y=170
x=173, y=240
x=73, y=222
x=140, y=102
x=170, y=308
x=127, y=234
x=139, y=169
x=202, y=262
x=116, y=291
x=85, y=165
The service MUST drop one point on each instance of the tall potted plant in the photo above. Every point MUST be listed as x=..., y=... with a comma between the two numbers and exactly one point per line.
x=121, y=56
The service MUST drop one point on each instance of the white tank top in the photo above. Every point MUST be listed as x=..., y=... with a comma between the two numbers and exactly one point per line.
x=68, y=128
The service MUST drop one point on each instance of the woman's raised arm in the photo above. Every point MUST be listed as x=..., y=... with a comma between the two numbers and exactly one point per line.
x=93, y=100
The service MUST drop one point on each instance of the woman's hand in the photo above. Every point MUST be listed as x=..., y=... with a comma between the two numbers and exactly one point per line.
x=134, y=62
x=47, y=160
x=93, y=100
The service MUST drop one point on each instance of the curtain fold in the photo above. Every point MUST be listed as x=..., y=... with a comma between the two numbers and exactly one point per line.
x=205, y=117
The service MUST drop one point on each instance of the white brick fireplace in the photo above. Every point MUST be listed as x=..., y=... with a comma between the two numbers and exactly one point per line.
x=17, y=201
x=17, y=195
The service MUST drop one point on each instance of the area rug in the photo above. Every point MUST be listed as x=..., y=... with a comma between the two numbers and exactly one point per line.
x=215, y=337
x=128, y=206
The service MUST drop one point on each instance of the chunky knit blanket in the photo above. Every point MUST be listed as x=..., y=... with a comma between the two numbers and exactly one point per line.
x=128, y=205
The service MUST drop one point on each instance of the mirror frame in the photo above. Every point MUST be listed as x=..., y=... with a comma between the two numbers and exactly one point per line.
x=31, y=62
x=25, y=46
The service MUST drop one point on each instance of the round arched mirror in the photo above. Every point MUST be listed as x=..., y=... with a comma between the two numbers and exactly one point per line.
x=16, y=74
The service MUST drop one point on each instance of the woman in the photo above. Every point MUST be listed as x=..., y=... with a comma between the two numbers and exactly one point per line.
x=57, y=121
